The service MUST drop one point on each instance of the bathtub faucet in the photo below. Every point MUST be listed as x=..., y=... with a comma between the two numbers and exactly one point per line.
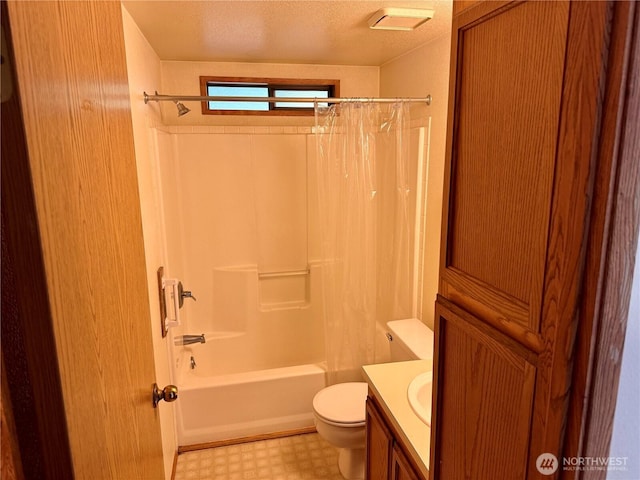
x=189, y=339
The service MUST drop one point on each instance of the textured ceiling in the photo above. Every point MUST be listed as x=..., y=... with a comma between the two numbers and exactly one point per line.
x=330, y=32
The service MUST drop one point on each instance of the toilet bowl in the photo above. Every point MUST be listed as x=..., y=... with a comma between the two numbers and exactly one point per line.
x=339, y=413
x=339, y=410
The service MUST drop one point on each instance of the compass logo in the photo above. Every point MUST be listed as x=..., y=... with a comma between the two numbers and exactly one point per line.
x=547, y=464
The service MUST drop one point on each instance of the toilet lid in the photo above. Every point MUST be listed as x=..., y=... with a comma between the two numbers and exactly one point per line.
x=342, y=403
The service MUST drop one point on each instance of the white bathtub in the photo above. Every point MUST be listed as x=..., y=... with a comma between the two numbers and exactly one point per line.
x=231, y=406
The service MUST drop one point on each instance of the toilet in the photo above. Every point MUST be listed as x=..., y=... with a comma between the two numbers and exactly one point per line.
x=339, y=410
x=410, y=339
x=339, y=414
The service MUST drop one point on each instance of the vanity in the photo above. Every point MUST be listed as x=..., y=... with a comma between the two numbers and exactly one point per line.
x=397, y=439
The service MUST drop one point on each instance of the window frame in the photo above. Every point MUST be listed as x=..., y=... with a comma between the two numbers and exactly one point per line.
x=332, y=86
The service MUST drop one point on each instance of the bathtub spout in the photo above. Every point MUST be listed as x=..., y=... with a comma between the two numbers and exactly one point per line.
x=189, y=339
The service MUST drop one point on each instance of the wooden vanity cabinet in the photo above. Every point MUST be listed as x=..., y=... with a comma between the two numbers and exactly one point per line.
x=386, y=457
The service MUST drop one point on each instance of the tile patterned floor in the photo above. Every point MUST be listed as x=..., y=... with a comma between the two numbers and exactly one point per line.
x=299, y=457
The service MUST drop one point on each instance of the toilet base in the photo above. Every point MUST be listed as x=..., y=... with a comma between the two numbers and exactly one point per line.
x=351, y=463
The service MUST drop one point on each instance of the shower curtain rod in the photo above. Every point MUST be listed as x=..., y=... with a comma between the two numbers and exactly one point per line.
x=185, y=98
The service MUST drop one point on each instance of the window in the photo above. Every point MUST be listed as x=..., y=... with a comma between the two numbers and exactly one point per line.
x=264, y=88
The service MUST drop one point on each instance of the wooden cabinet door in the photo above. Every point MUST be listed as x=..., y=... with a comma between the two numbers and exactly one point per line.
x=526, y=97
x=486, y=383
x=379, y=444
x=401, y=467
x=506, y=119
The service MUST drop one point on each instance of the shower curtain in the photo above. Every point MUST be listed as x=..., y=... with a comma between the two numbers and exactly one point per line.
x=364, y=196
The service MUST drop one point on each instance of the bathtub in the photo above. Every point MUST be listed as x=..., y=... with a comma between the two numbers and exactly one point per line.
x=223, y=407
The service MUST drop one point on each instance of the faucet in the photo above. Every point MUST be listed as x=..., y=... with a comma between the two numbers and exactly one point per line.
x=189, y=339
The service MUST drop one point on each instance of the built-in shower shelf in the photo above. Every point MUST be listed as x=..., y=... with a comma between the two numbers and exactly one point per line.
x=271, y=307
x=284, y=289
x=283, y=273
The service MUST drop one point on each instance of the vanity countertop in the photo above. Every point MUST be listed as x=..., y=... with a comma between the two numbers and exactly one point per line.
x=389, y=383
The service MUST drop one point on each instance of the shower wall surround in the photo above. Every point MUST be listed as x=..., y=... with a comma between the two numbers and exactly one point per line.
x=237, y=220
x=242, y=232
x=245, y=213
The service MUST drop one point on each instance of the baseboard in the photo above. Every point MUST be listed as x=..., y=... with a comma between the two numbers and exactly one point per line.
x=236, y=441
x=175, y=464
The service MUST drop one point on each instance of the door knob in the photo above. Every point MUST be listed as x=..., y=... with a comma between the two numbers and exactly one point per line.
x=168, y=394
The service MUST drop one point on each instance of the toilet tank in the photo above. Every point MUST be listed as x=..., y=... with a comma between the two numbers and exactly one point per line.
x=410, y=339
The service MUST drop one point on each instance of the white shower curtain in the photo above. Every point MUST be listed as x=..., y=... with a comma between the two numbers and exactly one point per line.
x=364, y=200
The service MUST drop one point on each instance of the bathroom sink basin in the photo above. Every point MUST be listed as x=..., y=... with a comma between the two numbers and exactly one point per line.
x=419, y=395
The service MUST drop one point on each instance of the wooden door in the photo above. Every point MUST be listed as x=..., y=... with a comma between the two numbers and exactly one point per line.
x=526, y=102
x=72, y=87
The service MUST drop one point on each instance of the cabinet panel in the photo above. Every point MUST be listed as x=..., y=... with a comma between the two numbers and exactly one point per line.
x=507, y=110
x=379, y=444
x=485, y=389
x=401, y=467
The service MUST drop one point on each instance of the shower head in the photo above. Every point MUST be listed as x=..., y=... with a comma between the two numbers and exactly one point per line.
x=182, y=110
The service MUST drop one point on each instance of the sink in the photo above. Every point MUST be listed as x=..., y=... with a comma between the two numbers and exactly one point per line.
x=419, y=396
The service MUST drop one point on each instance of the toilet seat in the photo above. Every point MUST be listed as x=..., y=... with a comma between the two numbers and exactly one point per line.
x=342, y=405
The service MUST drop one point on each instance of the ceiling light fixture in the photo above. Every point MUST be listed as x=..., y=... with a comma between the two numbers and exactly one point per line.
x=405, y=19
